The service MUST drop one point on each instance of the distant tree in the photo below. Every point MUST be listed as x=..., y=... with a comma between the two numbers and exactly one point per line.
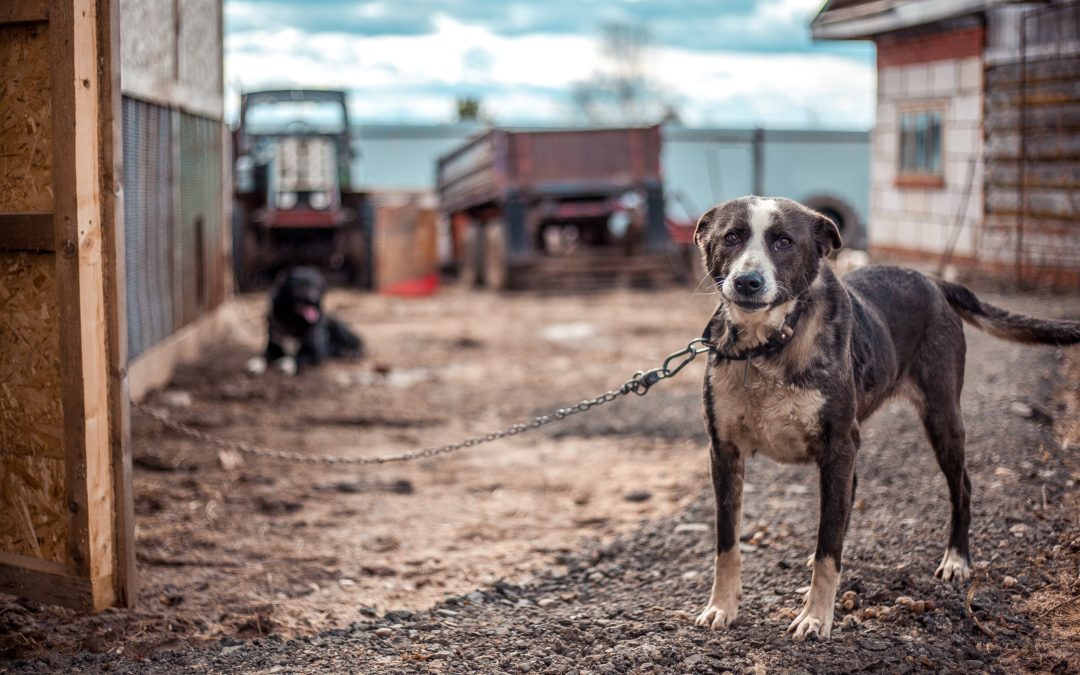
x=621, y=89
x=471, y=109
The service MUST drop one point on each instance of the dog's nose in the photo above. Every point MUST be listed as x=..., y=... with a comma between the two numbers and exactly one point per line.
x=749, y=283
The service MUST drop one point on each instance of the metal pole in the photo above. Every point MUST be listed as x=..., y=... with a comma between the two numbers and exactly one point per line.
x=1021, y=170
x=759, y=161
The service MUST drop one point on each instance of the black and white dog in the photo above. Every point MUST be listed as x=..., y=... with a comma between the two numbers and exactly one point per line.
x=801, y=359
x=299, y=331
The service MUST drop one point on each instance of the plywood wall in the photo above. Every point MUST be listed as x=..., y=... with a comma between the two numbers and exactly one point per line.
x=31, y=419
x=25, y=119
x=32, y=488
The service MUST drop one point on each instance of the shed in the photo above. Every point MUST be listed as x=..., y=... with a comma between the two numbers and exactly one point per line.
x=975, y=153
x=112, y=207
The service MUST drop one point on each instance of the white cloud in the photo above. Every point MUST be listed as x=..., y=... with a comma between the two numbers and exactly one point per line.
x=416, y=78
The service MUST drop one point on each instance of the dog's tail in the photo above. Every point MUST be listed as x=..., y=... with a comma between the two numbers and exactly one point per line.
x=1006, y=325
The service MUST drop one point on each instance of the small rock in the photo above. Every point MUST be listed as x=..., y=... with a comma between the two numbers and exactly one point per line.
x=1021, y=409
x=384, y=632
x=873, y=645
x=1019, y=530
x=476, y=597
x=177, y=398
x=691, y=527
x=346, y=583
x=1009, y=582
x=230, y=460
x=849, y=600
x=546, y=602
x=638, y=496
x=796, y=489
x=746, y=548
x=904, y=601
x=446, y=612
x=974, y=663
x=850, y=621
x=918, y=607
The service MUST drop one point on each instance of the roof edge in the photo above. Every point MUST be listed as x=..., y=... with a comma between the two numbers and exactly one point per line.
x=869, y=19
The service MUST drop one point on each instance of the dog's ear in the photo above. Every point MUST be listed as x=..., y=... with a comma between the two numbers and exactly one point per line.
x=704, y=224
x=826, y=234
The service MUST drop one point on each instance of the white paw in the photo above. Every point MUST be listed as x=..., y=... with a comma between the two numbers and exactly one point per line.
x=256, y=365
x=953, y=567
x=286, y=365
x=717, y=618
x=812, y=621
x=817, y=613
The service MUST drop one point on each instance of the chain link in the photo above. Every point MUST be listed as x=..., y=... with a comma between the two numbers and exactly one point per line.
x=639, y=384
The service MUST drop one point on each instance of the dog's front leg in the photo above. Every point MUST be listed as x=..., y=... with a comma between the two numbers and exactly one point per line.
x=837, y=475
x=727, y=476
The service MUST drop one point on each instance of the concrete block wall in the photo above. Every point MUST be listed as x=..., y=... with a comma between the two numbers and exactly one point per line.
x=923, y=218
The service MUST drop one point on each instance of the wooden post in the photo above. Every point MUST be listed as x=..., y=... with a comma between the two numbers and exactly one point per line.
x=66, y=216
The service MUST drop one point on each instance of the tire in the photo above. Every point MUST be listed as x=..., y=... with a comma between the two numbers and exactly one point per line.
x=496, y=271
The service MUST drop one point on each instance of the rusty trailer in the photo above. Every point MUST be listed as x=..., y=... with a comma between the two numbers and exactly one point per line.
x=534, y=207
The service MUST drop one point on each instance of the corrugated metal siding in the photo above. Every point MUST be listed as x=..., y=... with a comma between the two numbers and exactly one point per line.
x=804, y=168
x=148, y=226
x=201, y=252
x=175, y=258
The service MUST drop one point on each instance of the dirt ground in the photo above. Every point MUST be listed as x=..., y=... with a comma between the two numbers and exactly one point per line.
x=585, y=545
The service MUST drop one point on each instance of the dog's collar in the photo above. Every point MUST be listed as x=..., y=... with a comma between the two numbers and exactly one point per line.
x=776, y=343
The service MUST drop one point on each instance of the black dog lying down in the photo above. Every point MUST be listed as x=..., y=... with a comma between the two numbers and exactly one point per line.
x=299, y=331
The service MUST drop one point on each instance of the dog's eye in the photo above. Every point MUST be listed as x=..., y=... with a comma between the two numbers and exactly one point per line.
x=782, y=243
x=731, y=238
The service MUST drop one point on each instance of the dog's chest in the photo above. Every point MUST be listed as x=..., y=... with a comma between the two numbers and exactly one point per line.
x=760, y=412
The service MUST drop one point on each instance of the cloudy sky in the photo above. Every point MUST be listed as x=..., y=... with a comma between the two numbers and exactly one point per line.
x=718, y=62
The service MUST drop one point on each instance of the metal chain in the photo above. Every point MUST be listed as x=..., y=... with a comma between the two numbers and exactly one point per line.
x=639, y=384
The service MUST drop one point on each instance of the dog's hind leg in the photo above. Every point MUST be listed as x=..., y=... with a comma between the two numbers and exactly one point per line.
x=938, y=378
x=728, y=466
x=945, y=429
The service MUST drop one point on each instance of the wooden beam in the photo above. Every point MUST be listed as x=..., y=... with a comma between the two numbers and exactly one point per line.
x=112, y=190
x=23, y=11
x=80, y=261
x=44, y=581
x=26, y=232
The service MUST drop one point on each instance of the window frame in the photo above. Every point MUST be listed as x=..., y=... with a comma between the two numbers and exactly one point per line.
x=920, y=177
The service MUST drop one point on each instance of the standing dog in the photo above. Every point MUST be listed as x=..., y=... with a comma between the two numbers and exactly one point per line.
x=299, y=332
x=800, y=359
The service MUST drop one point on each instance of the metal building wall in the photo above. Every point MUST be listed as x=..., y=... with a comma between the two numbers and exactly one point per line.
x=1032, y=118
x=201, y=244
x=173, y=220
x=148, y=223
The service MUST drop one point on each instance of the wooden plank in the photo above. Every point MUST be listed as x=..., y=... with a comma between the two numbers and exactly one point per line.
x=116, y=307
x=80, y=275
x=26, y=232
x=43, y=585
x=24, y=11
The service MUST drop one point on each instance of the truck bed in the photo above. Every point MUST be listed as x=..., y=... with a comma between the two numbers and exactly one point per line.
x=547, y=163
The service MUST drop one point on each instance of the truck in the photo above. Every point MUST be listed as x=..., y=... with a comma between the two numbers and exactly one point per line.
x=294, y=202
x=567, y=207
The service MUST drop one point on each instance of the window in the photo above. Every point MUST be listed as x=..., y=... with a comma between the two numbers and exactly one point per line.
x=920, y=148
